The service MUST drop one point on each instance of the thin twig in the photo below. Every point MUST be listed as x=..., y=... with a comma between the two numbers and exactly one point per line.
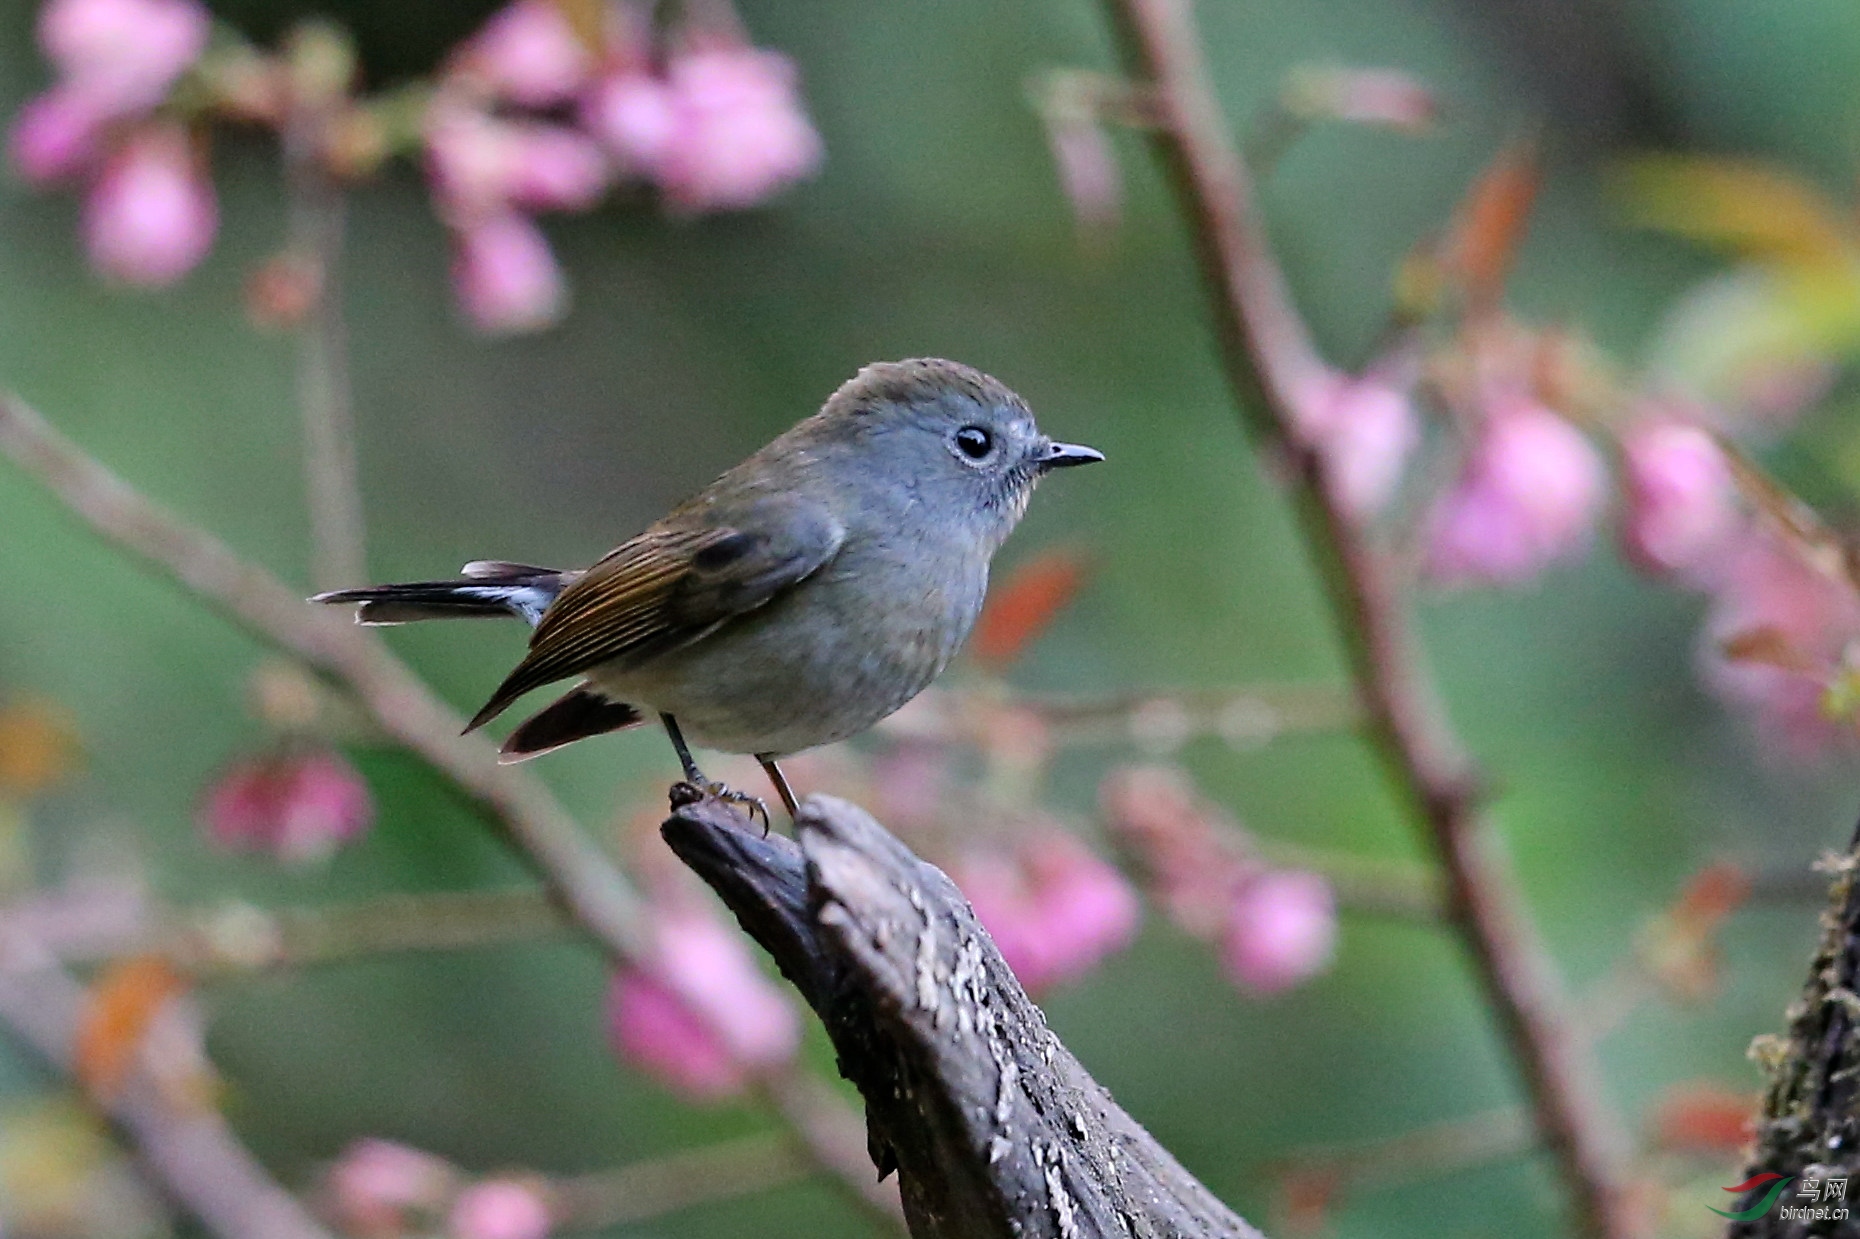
x=90, y=920
x=316, y=220
x=649, y=1189
x=1422, y=1153
x=580, y=876
x=1275, y=370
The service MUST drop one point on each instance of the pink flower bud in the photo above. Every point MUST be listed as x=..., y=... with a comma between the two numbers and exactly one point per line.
x=499, y=1209
x=1193, y=856
x=1366, y=429
x=636, y=116
x=150, y=217
x=483, y=166
x=295, y=806
x=1055, y=910
x=125, y=53
x=1385, y=97
x=377, y=1187
x=1281, y=930
x=703, y=1019
x=742, y=134
x=1779, y=632
x=506, y=277
x=1525, y=498
x=528, y=54
x=1089, y=172
x=1681, y=502
x=57, y=136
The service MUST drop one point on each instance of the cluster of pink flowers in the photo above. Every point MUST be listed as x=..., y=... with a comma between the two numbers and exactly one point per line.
x=379, y=1189
x=701, y=1018
x=1274, y=928
x=529, y=115
x=1053, y=908
x=149, y=209
x=1781, y=637
x=295, y=804
x=530, y=118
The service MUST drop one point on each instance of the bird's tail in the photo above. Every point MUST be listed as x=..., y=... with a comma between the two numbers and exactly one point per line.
x=486, y=588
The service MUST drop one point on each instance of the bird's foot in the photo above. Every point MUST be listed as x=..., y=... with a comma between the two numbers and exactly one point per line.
x=693, y=790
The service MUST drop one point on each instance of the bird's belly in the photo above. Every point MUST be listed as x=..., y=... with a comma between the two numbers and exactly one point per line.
x=815, y=666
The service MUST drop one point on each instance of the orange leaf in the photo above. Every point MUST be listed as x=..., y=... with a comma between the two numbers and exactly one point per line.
x=1702, y=1117
x=38, y=747
x=1490, y=223
x=588, y=19
x=123, y=1002
x=1754, y=210
x=1713, y=893
x=1025, y=604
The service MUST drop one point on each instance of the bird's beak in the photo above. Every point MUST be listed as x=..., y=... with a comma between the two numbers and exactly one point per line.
x=1065, y=455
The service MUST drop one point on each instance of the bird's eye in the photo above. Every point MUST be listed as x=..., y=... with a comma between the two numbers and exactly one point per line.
x=974, y=442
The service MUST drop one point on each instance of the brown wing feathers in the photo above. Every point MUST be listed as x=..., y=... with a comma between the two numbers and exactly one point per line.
x=668, y=587
x=617, y=608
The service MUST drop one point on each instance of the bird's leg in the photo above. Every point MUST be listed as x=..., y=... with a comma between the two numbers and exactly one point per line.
x=781, y=784
x=711, y=787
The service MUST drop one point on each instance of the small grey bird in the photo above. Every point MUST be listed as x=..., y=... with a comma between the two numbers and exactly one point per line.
x=796, y=600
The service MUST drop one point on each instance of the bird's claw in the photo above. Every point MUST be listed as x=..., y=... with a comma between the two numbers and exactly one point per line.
x=755, y=806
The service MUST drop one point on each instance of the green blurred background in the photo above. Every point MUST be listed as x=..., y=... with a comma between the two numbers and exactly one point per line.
x=937, y=227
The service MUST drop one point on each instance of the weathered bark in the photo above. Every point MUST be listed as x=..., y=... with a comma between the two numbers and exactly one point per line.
x=993, y=1127
x=1810, y=1126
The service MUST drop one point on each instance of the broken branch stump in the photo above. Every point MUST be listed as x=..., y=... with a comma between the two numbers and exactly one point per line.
x=992, y=1125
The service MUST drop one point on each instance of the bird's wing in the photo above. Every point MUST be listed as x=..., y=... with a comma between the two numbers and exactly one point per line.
x=668, y=587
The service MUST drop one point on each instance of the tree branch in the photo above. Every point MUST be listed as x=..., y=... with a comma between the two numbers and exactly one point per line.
x=993, y=1127
x=1810, y=1126
x=1275, y=371
x=186, y=1148
x=581, y=878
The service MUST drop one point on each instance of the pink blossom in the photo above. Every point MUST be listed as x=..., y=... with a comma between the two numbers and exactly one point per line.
x=1525, y=498
x=150, y=217
x=1089, y=171
x=1385, y=97
x=1281, y=930
x=377, y=1184
x=499, y=1209
x=1192, y=855
x=123, y=53
x=1054, y=909
x=1681, y=502
x=636, y=116
x=742, y=134
x=1366, y=429
x=1779, y=632
x=703, y=1019
x=57, y=136
x=528, y=54
x=505, y=275
x=482, y=166
x=296, y=806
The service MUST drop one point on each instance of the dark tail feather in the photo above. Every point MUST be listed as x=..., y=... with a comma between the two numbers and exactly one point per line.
x=489, y=588
x=575, y=716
